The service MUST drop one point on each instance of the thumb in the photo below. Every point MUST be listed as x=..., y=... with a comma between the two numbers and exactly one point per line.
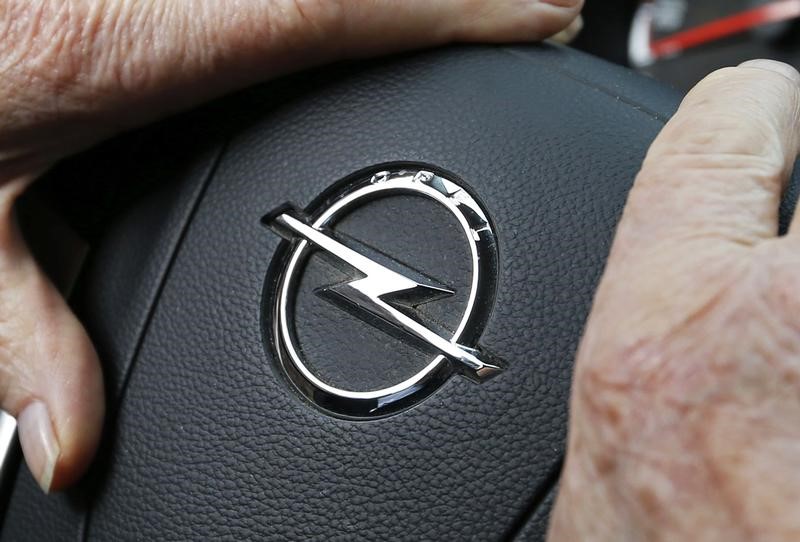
x=50, y=378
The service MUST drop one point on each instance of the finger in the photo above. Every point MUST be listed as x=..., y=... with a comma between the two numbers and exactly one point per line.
x=105, y=66
x=571, y=32
x=50, y=378
x=717, y=170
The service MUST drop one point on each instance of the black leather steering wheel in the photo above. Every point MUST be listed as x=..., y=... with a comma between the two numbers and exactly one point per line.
x=211, y=436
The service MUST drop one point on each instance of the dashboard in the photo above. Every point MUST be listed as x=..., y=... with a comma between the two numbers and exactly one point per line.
x=680, y=41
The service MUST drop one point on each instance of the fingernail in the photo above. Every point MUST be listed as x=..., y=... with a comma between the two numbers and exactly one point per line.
x=774, y=66
x=570, y=32
x=39, y=444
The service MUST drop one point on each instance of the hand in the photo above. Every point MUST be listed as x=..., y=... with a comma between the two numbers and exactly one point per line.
x=73, y=72
x=685, y=414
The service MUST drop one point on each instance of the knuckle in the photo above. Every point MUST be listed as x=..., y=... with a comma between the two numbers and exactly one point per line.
x=748, y=79
x=747, y=109
x=712, y=165
x=731, y=170
x=724, y=134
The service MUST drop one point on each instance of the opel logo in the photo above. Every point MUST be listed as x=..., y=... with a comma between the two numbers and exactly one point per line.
x=383, y=294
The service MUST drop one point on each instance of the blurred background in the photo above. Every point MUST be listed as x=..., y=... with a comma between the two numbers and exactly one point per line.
x=680, y=41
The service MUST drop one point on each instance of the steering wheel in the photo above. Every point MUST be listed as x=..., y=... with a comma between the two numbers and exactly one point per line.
x=390, y=357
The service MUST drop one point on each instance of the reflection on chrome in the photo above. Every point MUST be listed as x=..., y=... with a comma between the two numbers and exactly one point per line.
x=377, y=294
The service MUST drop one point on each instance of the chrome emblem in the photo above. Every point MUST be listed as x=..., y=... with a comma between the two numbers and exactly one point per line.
x=384, y=297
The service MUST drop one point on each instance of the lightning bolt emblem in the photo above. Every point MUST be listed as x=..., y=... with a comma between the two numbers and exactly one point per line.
x=379, y=295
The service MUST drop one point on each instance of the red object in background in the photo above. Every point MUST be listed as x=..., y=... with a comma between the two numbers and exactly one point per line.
x=773, y=12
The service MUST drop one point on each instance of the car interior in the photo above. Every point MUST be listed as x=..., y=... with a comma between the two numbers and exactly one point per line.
x=345, y=304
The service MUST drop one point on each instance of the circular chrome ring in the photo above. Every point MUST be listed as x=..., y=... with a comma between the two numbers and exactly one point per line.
x=483, y=251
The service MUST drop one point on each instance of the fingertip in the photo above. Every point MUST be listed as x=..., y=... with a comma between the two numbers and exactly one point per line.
x=52, y=381
x=39, y=443
x=61, y=421
x=727, y=152
x=559, y=20
x=78, y=392
x=570, y=32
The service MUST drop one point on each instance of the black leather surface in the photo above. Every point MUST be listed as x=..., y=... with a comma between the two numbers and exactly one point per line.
x=123, y=277
x=206, y=442
x=534, y=526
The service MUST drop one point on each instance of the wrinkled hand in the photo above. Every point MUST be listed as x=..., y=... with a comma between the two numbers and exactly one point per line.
x=685, y=415
x=73, y=72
